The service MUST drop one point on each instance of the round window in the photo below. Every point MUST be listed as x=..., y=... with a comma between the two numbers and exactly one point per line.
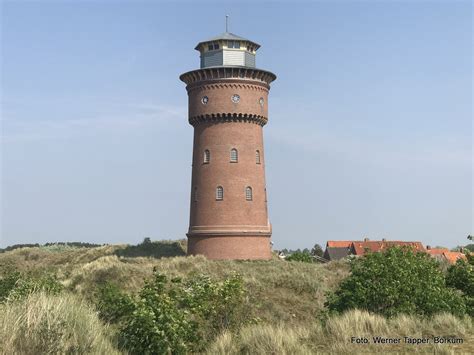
x=235, y=98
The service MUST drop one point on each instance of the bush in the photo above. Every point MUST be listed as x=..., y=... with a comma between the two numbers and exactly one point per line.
x=302, y=256
x=174, y=315
x=157, y=249
x=8, y=283
x=216, y=306
x=157, y=326
x=461, y=277
x=47, y=324
x=113, y=305
x=396, y=281
x=16, y=285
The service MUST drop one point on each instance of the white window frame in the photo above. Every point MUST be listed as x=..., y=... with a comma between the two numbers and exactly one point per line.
x=207, y=156
x=219, y=193
x=234, y=155
x=248, y=193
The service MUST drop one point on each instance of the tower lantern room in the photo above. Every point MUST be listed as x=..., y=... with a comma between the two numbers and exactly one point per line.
x=227, y=49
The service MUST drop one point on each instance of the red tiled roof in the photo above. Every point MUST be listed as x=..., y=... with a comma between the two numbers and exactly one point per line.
x=338, y=244
x=436, y=251
x=453, y=256
x=360, y=248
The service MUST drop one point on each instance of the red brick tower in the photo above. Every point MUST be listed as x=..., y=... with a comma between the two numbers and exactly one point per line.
x=228, y=107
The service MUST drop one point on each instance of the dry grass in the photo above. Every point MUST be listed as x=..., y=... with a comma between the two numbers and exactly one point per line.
x=335, y=336
x=45, y=324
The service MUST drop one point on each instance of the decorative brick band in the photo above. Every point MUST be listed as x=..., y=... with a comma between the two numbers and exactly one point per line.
x=229, y=117
x=217, y=73
x=228, y=83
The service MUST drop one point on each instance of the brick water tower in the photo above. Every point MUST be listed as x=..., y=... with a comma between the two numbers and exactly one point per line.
x=228, y=107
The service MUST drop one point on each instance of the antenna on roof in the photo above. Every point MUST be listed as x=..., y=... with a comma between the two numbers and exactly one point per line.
x=226, y=22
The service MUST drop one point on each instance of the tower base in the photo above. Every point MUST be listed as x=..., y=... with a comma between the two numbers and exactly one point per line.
x=231, y=247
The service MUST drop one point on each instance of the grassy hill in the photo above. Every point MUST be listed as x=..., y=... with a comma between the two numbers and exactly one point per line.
x=284, y=299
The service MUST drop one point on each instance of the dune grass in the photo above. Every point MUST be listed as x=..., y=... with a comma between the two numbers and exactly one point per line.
x=46, y=324
x=334, y=337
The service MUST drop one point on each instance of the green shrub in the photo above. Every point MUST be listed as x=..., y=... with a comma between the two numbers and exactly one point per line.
x=156, y=249
x=174, y=315
x=157, y=325
x=302, y=256
x=396, y=281
x=461, y=277
x=215, y=306
x=113, y=304
x=16, y=285
x=7, y=283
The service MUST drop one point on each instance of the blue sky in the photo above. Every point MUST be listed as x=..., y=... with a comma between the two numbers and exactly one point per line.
x=369, y=134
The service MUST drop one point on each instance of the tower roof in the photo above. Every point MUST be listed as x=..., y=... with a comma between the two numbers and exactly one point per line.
x=226, y=36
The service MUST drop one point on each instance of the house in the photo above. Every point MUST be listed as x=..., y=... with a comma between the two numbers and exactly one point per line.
x=336, y=249
x=444, y=255
x=360, y=248
x=339, y=249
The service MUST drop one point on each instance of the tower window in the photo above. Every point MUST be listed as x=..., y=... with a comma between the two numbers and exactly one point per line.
x=207, y=156
x=234, y=156
x=213, y=46
x=195, y=194
x=219, y=193
x=233, y=44
x=257, y=156
x=248, y=193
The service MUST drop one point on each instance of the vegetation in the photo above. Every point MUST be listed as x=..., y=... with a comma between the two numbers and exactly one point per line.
x=461, y=277
x=36, y=245
x=317, y=250
x=334, y=336
x=130, y=299
x=394, y=282
x=157, y=249
x=302, y=256
x=52, y=324
x=15, y=285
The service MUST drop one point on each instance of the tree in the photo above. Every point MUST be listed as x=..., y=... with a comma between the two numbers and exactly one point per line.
x=317, y=250
x=300, y=256
x=461, y=277
x=470, y=247
x=396, y=281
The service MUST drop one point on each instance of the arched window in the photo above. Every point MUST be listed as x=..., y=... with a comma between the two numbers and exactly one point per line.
x=248, y=193
x=257, y=156
x=195, y=194
x=234, y=156
x=207, y=156
x=219, y=193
